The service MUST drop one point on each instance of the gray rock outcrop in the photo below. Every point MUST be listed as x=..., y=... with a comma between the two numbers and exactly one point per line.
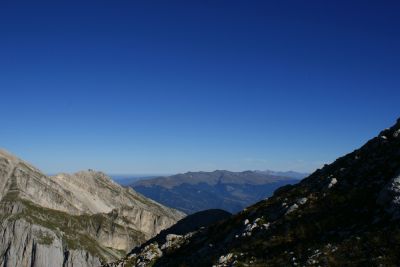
x=390, y=197
x=81, y=219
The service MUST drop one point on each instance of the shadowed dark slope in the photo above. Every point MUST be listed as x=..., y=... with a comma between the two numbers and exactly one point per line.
x=345, y=214
x=191, y=223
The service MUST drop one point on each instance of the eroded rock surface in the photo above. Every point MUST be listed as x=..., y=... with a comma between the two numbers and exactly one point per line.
x=81, y=219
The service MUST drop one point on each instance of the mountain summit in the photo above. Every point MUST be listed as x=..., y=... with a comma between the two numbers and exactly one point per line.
x=79, y=219
x=344, y=214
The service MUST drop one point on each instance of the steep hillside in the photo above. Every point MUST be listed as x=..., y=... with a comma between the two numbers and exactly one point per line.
x=174, y=235
x=195, y=191
x=71, y=220
x=345, y=214
x=190, y=223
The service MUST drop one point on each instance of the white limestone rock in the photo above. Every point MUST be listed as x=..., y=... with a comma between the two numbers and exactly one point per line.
x=302, y=201
x=389, y=197
x=332, y=182
x=172, y=240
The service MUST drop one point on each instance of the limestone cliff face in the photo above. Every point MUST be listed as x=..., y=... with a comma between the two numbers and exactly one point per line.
x=79, y=219
x=26, y=244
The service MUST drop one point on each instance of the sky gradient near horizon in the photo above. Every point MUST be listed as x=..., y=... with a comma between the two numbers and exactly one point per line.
x=148, y=87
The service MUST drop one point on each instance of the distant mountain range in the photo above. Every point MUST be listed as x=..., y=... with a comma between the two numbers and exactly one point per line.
x=292, y=174
x=127, y=179
x=195, y=191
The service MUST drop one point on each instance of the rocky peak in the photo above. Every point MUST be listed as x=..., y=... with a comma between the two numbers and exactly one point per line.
x=71, y=219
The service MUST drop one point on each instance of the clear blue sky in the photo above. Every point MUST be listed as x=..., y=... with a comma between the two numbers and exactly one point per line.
x=173, y=86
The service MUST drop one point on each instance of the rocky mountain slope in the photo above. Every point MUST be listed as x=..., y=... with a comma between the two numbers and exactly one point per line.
x=172, y=236
x=345, y=214
x=195, y=191
x=189, y=224
x=81, y=219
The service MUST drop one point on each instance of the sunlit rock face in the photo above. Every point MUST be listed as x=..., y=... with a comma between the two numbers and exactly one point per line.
x=79, y=219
